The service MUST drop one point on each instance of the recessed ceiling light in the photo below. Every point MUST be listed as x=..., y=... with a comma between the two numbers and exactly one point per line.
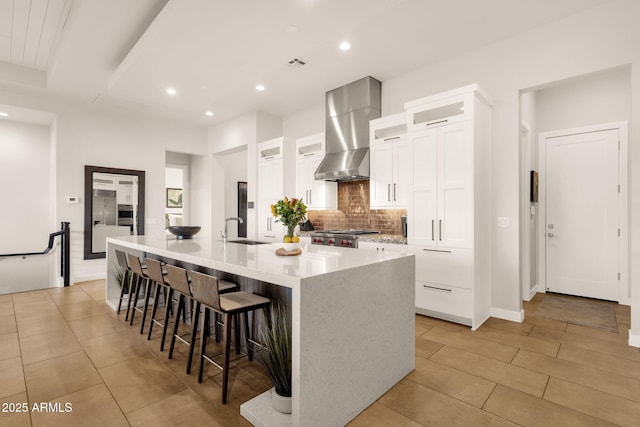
x=345, y=46
x=3, y=114
x=171, y=91
x=292, y=29
x=209, y=113
x=260, y=88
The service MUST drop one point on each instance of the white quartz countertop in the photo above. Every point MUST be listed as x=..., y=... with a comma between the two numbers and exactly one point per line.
x=257, y=261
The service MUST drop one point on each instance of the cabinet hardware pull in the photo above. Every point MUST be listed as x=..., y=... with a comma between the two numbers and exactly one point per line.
x=394, y=192
x=440, y=230
x=436, y=288
x=389, y=192
x=436, y=250
x=269, y=157
x=310, y=196
x=393, y=137
x=437, y=123
x=306, y=195
x=308, y=154
x=433, y=237
x=269, y=235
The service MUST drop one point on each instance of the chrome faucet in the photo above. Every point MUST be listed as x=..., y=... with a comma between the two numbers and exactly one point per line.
x=233, y=218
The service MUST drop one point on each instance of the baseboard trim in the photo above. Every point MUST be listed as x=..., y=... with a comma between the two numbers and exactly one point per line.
x=634, y=339
x=88, y=277
x=532, y=293
x=513, y=316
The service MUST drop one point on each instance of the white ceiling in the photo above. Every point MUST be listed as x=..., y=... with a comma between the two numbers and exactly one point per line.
x=126, y=53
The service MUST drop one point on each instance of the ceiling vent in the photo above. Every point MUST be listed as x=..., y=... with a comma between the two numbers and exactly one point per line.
x=296, y=63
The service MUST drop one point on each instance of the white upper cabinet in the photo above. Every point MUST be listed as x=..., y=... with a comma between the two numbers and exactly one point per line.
x=390, y=163
x=316, y=194
x=441, y=208
x=442, y=109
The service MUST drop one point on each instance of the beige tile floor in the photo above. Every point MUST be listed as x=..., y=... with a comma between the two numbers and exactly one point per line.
x=66, y=346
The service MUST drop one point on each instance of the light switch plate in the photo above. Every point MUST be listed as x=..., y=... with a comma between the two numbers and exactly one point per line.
x=503, y=221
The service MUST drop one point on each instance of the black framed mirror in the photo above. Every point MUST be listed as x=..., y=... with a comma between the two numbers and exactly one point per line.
x=113, y=206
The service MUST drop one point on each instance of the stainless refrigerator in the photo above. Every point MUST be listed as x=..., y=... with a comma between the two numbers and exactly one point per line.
x=105, y=208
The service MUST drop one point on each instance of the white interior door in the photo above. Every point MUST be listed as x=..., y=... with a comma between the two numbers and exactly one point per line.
x=582, y=214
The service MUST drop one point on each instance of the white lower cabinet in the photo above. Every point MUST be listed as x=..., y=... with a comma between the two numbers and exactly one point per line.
x=445, y=302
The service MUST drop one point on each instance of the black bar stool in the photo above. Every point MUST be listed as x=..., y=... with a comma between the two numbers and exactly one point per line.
x=179, y=282
x=157, y=275
x=126, y=273
x=136, y=266
x=205, y=290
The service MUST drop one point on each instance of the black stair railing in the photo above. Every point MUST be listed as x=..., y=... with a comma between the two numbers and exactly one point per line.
x=64, y=257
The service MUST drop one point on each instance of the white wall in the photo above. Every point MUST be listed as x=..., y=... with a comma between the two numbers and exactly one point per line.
x=602, y=97
x=25, y=197
x=101, y=136
x=240, y=133
x=598, y=39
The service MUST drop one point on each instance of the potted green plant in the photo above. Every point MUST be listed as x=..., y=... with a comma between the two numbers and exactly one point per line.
x=276, y=359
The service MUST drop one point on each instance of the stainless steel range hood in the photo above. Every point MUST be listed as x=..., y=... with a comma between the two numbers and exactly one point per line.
x=348, y=111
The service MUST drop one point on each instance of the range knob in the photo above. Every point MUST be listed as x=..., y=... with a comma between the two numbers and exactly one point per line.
x=347, y=243
x=331, y=241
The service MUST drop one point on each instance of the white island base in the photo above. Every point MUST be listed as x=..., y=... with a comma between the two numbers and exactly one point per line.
x=352, y=313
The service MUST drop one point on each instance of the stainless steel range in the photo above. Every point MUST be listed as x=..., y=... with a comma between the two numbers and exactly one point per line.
x=344, y=238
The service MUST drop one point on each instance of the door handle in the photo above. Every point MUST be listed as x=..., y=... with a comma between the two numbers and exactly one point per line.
x=432, y=229
x=552, y=235
x=389, y=192
x=394, y=192
x=440, y=230
x=310, y=196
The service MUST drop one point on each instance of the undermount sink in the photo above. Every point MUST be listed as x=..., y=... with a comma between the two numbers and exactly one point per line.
x=247, y=242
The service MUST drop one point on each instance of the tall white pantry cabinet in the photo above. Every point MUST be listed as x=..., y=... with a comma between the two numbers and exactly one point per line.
x=276, y=179
x=449, y=210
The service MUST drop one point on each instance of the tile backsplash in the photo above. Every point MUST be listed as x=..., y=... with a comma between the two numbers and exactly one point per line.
x=354, y=212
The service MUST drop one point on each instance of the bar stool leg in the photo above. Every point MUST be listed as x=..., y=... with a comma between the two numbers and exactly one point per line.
x=135, y=301
x=167, y=313
x=132, y=286
x=247, y=336
x=204, y=333
x=125, y=273
x=227, y=319
x=156, y=299
x=149, y=288
x=236, y=326
x=176, y=324
x=194, y=331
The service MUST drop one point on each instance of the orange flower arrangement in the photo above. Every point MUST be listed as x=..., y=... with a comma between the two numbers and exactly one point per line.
x=289, y=212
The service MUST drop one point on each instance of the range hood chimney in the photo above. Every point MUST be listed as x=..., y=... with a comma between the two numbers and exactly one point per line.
x=348, y=111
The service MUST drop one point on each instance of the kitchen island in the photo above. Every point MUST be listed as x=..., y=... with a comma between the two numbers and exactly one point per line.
x=352, y=318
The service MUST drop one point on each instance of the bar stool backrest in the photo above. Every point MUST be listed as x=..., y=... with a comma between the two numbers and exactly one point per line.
x=134, y=264
x=178, y=279
x=122, y=259
x=204, y=288
x=154, y=270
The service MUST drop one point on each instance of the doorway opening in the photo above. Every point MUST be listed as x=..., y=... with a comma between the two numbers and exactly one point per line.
x=551, y=109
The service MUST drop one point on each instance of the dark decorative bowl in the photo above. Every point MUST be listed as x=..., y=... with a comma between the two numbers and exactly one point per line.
x=183, y=232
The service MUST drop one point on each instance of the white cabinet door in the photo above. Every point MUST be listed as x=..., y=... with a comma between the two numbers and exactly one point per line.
x=402, y=166
x=270, y=190
x=304, y=175
x=423, y=206
x=441, y=204
x=381, y=176
x=455, y=197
